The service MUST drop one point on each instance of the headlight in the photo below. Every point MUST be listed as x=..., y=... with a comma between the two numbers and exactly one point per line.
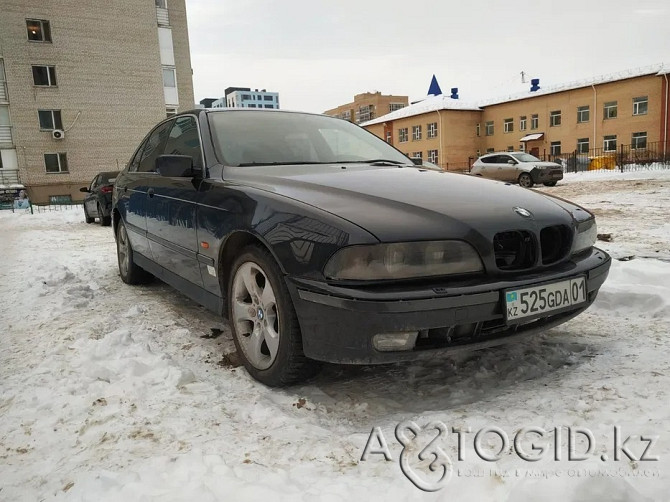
x=586, y=235
x=403, y=261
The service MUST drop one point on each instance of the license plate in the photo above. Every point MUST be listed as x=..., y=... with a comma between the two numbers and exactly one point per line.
x=537, y=300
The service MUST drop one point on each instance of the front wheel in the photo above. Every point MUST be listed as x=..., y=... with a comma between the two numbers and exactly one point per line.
x=525, y=180
x=129, y=271
x=263, y=321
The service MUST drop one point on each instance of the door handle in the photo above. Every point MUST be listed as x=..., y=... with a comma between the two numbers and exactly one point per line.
x=150, y=192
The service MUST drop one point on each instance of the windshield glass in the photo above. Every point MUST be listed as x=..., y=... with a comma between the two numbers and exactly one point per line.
x=525, y=157
x=249, y=138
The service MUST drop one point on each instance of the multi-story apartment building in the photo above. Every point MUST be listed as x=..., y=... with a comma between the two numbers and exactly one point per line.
x=82, y=82
x=244, y=97
x=367, y=106
x=594, y=117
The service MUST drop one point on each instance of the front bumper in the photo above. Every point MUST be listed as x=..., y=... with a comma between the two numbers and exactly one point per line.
x=338, y=324
x=546, y=175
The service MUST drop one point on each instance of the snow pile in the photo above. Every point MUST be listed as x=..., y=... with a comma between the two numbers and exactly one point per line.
x=110, y=392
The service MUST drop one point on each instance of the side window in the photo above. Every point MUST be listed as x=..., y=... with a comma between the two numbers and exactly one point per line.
x=493, y=159
x=135, y=161
x=94, y=183
x=184, y=140
x=153, y=148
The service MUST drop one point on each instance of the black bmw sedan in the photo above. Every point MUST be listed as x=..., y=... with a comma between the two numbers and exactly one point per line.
x=318, y=241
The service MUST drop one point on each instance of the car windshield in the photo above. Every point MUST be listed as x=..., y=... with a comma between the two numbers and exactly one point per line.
x=525, y=157
x=253, y=138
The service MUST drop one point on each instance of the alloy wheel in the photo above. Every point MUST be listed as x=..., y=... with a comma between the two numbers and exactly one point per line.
x=255, y=315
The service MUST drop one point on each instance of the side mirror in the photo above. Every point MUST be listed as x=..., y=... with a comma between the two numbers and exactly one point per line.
x=511, y=162
x=84, y=189
x=175, y=166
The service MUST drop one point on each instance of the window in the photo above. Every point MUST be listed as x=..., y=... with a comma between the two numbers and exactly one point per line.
x=267, y=98
x=555, y=148
x=246, y=96
x=402, y=135
x=432, y=130
x=161, y=4
x=432, y=156
x=478, y=130
x=534, y=121
x=555, y=118
x=640, y=105
x=388, y=137
x=251, y=105
x=417, y=155
x=55, y=162
x=522, y=123
x=583, y=145
x=639, y=140
x=510, y=148
x=44, y=75
x=489, y=128
x=609, y=143
x=490, y=150
x=38, y=30
x=185, y=140
x=267, y=106
x=609, y=110
x=508, y=125
x=152, y=148
x=416, y=133
x=169, y=78
x=50, y=120
x=582, y=114
x=169, y=112
x=396, y=106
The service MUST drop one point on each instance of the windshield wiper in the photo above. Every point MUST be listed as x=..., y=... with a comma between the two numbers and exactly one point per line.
x=376, y=162
x=299, y=163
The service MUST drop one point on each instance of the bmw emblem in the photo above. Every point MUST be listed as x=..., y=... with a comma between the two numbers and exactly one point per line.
x=523, y=212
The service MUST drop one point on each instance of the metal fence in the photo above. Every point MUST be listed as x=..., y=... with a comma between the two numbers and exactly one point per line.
x=623, y=158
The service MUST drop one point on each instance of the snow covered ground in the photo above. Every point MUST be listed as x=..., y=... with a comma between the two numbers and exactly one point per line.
x=111, y=392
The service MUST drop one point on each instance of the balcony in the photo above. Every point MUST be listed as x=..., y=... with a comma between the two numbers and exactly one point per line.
x=162, y=16
x=9, y=178
x=6, y=136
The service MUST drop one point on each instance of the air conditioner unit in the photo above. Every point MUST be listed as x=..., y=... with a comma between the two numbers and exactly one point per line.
x=58, y=134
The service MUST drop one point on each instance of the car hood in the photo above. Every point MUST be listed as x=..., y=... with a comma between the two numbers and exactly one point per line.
x=409, y=204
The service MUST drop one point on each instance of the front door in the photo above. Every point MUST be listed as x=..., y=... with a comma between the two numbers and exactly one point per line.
x=171, y=207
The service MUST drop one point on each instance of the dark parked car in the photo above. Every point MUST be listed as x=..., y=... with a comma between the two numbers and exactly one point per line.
x=321, y=242
x=98, y=200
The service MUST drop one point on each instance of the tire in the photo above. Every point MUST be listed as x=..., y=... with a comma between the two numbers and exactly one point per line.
x=550, y=183
x=263, y=321
x=525, y=180
x=87, y=218
x=129, y=271
x=105, y=221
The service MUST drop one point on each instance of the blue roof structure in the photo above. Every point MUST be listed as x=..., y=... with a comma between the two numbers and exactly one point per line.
x=434, y=88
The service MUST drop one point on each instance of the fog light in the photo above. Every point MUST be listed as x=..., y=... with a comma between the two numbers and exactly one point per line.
x=387, y=342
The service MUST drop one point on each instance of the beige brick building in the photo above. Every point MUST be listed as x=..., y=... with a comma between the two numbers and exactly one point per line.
x=591, y=118
x=81, y=83
x=367, y=106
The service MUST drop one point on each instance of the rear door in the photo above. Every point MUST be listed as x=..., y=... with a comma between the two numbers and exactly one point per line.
x=171, y=206
x=133, y=187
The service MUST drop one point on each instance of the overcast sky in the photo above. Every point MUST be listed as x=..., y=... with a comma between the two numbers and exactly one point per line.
x=318, y=54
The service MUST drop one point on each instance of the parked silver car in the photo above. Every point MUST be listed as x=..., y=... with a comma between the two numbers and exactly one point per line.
x=517, y=167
